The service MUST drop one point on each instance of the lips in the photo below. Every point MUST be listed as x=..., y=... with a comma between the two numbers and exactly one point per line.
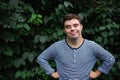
x=73, y=33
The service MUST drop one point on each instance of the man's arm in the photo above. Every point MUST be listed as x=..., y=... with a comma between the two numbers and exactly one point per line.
x=43, y=59
x=107, y=58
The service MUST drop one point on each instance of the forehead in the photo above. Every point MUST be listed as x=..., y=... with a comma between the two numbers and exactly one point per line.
x=71, y=22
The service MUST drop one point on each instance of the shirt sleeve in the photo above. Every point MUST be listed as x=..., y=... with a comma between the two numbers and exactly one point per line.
x=107, y=58
x=43, y=59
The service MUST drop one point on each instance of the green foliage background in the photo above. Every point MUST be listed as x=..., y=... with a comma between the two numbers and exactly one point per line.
x=27, y=27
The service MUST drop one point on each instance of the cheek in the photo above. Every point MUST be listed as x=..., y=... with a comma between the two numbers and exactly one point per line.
x=66, y=31
x=80, y=29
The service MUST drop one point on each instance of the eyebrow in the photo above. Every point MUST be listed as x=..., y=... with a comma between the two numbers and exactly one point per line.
x=76, y=24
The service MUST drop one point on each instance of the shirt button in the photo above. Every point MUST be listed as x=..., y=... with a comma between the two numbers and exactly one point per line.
x=74, y=61
x=75, y=51
x=74, y=55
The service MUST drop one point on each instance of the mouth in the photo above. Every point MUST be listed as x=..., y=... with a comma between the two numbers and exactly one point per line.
x=73, y=33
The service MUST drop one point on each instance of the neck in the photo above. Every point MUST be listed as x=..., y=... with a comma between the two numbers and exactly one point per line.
x=74, y=43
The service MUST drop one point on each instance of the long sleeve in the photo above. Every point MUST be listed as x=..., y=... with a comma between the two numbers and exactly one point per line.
x=107, y=58
x=43, y=59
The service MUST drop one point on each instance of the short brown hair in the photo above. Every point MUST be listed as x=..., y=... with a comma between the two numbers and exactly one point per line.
x=70, y=16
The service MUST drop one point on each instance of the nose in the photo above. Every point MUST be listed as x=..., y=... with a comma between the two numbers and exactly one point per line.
x=72, y=28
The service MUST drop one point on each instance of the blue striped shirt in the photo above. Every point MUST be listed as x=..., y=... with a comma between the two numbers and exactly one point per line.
x=75, y=63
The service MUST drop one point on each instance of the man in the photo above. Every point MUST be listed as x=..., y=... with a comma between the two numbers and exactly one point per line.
x=75, y=56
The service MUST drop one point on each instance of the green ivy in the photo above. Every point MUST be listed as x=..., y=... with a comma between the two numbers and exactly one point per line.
x=29, y=27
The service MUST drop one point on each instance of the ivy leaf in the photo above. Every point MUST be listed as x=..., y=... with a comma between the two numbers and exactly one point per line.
x=104, y=34
x=66, y=4
x=60, y=6
x=14, y=3
x=36, y=38
x=17, y=74
x=43, y=39
x=31, y=58
x=26, y=26
x=25, y=55
x=81, y=16
x=39, y=16
x=32, y=17
x=39, y=20
x=7, y=51
x=59, y=32
x=17, y=63
x=22, y=61
x=102, y=28
x=20, y=25
x=23, y=75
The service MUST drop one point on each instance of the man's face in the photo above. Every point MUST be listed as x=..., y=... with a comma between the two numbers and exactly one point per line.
x=72, y=28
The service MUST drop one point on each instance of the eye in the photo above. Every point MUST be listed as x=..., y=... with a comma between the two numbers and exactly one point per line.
x=67, y=27
x=75, y=25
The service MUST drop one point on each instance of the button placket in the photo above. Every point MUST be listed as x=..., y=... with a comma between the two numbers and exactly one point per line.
x=74, y=56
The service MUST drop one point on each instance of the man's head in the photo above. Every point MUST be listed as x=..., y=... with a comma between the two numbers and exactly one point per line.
x=72, y=26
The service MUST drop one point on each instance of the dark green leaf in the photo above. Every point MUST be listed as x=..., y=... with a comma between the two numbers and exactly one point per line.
x=25, y=55
x=31, y=57
x=17, y=74
x=8, y=51
x=17, y=63
x=27, y=27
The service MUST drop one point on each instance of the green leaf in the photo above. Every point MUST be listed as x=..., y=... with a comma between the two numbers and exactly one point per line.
x=102, y=27
x=111, y=33
x=14, y=3
x=39, y=16
x=118, y=64
x=26, y=26
x=33, y=17
x=31, y=57
x=17, y=63
x=81, y=16
x=29, y=8
x=60, y=6
x=23, y=75
x=99, y=39
x=66, y=4
x=20, y=25
x=17, y=74
x=42, y=47
x=36, y=39
x=22, y=61
x=104, y=34
x=59, y=32
x=39, y=20
x=43, y=39
x=47, y=19
x=7, y=51
x=25, y=55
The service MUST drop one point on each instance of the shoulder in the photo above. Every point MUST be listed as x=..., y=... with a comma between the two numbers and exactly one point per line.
x=90, y=43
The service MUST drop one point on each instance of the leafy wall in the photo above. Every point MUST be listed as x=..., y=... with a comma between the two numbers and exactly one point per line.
x=27, y=27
